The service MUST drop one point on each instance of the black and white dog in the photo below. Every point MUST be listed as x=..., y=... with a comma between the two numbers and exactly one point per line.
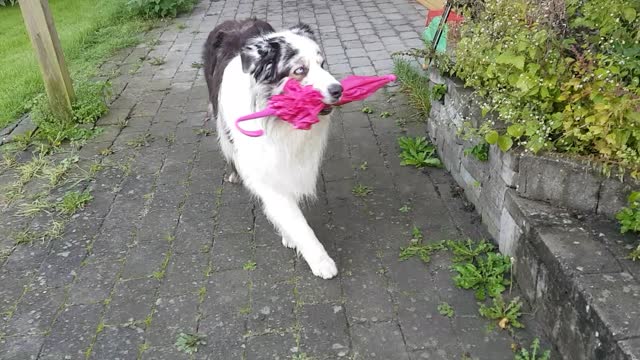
x=245, y=63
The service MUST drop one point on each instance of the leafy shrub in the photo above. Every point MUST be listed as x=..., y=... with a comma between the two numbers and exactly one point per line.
x=8, y=2
x=629, y=217
x=485, y=275
x=572, y=88
x=159, y=8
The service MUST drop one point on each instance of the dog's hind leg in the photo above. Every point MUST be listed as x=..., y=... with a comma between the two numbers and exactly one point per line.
x=283, y=211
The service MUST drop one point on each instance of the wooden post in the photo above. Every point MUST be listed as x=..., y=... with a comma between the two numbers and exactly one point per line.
x=45, y=41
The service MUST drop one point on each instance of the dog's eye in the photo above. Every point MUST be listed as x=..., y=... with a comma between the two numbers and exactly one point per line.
x=300, y=71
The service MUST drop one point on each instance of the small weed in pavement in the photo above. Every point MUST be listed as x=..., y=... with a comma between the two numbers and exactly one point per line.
x=634, y=255
x=360, y=190
x=417, y=248
x=446, y=310
x=405, y=209
x=156, y=61
x=196, y=65
x=364, y=166
x=367, y=110
x=466, y=251
x=189, y=343
x=507, y=314
x=418, y=152
x=438, y=91
x=249, y=265
x=385, y=114
x=73, y=201
x=534, y=353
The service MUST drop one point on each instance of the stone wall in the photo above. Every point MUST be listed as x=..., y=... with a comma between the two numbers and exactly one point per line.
x=553, y=216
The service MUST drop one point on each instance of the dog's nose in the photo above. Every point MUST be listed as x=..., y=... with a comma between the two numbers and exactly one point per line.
x=335, y=90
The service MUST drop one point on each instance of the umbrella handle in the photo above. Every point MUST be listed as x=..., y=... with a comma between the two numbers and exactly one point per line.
x=254, y=133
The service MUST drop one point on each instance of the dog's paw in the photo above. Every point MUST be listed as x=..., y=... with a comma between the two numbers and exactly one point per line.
x=287, y=243
x=324, y=267
x=233, y=178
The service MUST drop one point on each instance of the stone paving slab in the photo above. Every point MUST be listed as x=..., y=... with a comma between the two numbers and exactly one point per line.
x=167, y=246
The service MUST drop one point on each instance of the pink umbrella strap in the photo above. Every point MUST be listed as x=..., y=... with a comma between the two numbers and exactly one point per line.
x=254, y=133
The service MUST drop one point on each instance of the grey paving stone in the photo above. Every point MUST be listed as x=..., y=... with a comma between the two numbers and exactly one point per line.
x=21, y=347
x=72, y=332
x=271, y=347
x=132, y=301
x=378, y=341
x=324, y=331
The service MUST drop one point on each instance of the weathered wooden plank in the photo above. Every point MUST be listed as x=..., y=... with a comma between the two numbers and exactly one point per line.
x=45, y=41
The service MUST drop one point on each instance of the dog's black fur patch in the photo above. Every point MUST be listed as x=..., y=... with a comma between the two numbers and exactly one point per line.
x=223, y=44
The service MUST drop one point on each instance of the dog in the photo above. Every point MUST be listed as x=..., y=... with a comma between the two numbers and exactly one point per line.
x=246, y=62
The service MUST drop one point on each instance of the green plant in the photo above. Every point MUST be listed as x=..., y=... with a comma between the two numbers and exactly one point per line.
x=445, y=310
x=196, y=65
x=189, y=343
x=417, y=248
x=485, y=275
x=360, y=190
x=157, y=61
x=73, y=201
x=634, y=255
x=249, y=265
x=570, y=88
x=415, y=84
x=469, y=250
x=405, y=209
x=438, y=91
x=140, y=140
x=159, y=8
x=479, y=151
x=418, y=152
x=629, y=217
x=385, y=114
x=507, y=315
x=8, y=2
x=533, y=353
x=367, y=110
x=364, y=166
x=56, y=173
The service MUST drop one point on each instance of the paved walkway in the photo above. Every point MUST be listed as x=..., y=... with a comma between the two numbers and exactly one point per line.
x=167, y=246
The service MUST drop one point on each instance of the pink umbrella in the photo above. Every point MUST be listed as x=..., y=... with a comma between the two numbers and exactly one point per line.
x=300, y=105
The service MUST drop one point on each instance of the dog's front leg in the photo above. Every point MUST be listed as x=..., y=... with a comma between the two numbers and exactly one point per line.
x=283, y=211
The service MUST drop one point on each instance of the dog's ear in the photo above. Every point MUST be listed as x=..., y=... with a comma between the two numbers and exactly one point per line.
x=303, y=30
x=260, y=58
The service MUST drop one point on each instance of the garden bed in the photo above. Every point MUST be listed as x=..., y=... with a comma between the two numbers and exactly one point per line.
x=553, y=214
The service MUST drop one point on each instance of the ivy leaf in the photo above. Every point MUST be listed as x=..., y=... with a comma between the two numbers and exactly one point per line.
x=515, y=130
x=492, y=137
x=629, y=14
x=505, y=142
x=509, y=58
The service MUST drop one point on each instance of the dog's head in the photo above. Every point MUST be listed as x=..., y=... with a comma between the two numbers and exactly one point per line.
x=293, y=53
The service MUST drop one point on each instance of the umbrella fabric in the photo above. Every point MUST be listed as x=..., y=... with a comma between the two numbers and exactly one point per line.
x=300, y=105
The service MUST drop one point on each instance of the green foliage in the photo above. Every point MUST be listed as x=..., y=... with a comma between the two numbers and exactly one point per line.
x=415, y=84
x=634, y=255
x=418, y=152
x=485, y=275
x=73, y=201
x=572, y=91
x=629, y=217
x=360, y=190
x=417, y=248
x=189, y=343
x=367, y=110
x=533, y=353
x=249, y=265
x=438, y=91
x=507, y=315
x=467, y=251
x=445, y=310
x=479, y=151
x=8, y=2
x=159, y=8
x=89, y=105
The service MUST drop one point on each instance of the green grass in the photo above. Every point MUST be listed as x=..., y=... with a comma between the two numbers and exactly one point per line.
x=415, y=84
x=89, y=30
